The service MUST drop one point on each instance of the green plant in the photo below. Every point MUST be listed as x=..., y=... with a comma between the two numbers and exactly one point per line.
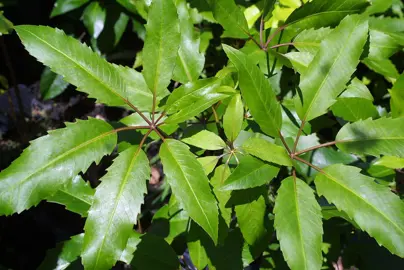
x=256, y=162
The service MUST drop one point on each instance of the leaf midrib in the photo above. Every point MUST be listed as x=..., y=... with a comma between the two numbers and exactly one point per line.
x=356, y=195
x=256, y=169
x=56, y=159
x=189, y=185
x=298, y=223
x=78, y=64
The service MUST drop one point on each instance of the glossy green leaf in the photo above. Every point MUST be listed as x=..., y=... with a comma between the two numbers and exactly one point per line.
x=298, y=224
x=51, y=84
x=152, y=252
x=332, y=67
x=190, y=185
x=208, y=163
x=357, y=89
x=63, y=6
x=206, y=140
x=197, y=251
x=257, y=92
x=120, y=27
x=300, y=60
x=373, y=137
x=94, y=19
x=390, y=162
x=250, y=210
x=190, y=61
x=354, y=109
x=77, y=64
x=324, y=157
x=35, y=176
x=372, y=206
x=77, y=196
x=267, y=151
x=378, y=6
x=309, y=40
x=115, y=209
x=383, y=45
x=229, y=15
x=233, y=118
x=5, y=25
x=382, y=66
x=161, y=45
x=387, y=24
x=251, y=172
x=217, y=181
x=191, y=99
x=64, y=254
x=397, y=98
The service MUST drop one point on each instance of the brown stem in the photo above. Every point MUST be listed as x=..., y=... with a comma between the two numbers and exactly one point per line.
x=144, y=139
x=308, y=164
x=284, y=142
x=271, y=37
x=154, y=106
x=262, y=31
x=160, y=117
x=215, y=114
x=316, y=147
x=299, y=133
x=159, y=133
x=282, y=44
x=129, y=128
x=138, y=111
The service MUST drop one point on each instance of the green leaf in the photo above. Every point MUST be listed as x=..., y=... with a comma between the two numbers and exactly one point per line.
x=228, y=14
x=233, y=118
x=251, y=213
x=190, y=61
x=219, y=177
x=267, y=151
x=115, y=209
x=63, y=6
x=298, y=224
x=378, y=6
x=300, y=60
x=316, y=14
x=77, y=196
x=372, y=206
x=197, y=252
x=190, y=185
x=51, y=84
x=63, y=255
x=77, y=64
x=120, y=27
x=206, y=140
x=382, y=45
x=324, y=157
x=332, y=67
x=354, y=109
x=153, y=252
x=208, y=163
x=94, y=19
x=35, y=176
x=390, y=162
x=251, y=172
x=382, y=66
x=357, y=89
x=161, y=45
x=309, y=40
x=373, y=137
x=397, y=98
x=191, y=99
x=257, y=92
x=5, y=25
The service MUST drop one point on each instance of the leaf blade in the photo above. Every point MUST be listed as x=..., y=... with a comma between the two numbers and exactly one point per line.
x=267, y=151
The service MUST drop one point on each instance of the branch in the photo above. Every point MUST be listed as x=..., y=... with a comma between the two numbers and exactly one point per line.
x=284, y=142
x=308, y=164
x=316, y=147
x=298, y=135
x=271, y=37
x=138, y=111
x=282, y=44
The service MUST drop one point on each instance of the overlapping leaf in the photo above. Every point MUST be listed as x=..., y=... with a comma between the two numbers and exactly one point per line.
x=372, y=206
x=298, y=224
x=94, y=19
x=384, y=136
x=257, y=92
x=115, y=209
x=35, y=176
x=397, y=98
x=190, y=185
x=190, y=61
x=267, y=151
x=77, y=196
x=206, y=140
x=63, y=6
x=233, y=118
x=51, y=84
x=161, y=45
x=332, y=67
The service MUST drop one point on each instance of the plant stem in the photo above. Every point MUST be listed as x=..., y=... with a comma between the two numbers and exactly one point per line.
x=262, y=31
x=298, y=135
x=308, y=164
x=129, y=128
x=284, y=142
x=160, y=117
x=138, y=111
x=271, y=37
x=316, y=147
x=159, y=133
x=282, y=44
x=215, y=114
